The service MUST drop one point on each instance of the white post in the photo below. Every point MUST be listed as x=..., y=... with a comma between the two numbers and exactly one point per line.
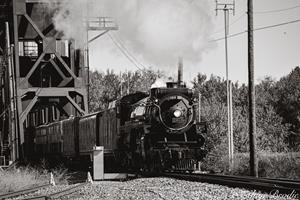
x=52, y=182
x=98, y=163
x=89, y=178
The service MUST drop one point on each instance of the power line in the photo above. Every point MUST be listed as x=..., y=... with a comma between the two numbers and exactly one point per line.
x=257, y=29
x=275, y=25
x=118, y=39
x=258, y=12
x=278, y=10
x=124, y=52
x=239, y=18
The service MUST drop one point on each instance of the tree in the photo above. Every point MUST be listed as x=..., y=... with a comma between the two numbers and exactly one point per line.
x=287, y=103
x=112, y=88
x=107, y=87
x=139, y=80
x=272, y=132
x=213, y=108
x=104, y=88
x=95, y=91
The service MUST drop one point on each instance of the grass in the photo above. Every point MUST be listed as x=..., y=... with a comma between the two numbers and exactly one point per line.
x=279, y=165
x=27, y=177
x=270, y=164
x=21, y=178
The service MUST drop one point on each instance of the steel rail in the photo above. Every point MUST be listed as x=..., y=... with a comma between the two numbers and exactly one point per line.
x=22, y=192
x=59, y=194
x=295, y=184
x=284, y=179
x=261, y=184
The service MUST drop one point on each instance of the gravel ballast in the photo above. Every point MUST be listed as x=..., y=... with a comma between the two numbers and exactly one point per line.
x=158, y=188
x=167, y=188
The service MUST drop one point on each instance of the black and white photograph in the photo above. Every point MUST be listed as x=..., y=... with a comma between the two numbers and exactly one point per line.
x=150, y=99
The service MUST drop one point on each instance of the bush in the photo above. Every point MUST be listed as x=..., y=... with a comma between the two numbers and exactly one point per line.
x=28, y=177
x=61, y=175
x=279, y=165
x=21, y=178
x=272, y=165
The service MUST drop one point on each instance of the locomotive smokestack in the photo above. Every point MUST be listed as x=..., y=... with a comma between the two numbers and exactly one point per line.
x=180, y=71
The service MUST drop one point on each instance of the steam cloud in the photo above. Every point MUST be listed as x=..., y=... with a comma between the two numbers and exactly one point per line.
x=158, y=30
x=160, y=82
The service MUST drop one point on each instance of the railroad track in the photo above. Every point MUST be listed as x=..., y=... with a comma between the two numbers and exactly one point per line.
x=59, y=194
x=23, y=192
x=269, y=185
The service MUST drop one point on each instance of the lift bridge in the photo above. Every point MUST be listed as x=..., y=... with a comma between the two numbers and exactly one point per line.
x=43, y=77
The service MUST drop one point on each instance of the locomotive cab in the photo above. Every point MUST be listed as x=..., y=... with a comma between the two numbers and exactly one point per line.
x=124, y=106
x=139, y=109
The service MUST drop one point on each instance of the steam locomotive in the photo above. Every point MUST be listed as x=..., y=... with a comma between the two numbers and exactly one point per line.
x=160, y=131
x=154, y=131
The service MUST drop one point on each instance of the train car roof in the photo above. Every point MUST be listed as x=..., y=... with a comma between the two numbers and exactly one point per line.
x=133, y=98
x=91, y=114
x=42, y=126
x=49, y=124
x=141, y=102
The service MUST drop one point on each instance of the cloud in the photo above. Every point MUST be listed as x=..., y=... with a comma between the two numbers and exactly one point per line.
x=158, y=30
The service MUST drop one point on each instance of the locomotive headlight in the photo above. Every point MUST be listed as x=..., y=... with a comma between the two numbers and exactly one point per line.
x=177, y=113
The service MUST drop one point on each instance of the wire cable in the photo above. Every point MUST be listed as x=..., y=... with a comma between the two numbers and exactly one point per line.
x=275, y=25
x=256, y=29
x=278, y=10
x=258, y=12
x=118, y=39
x=124, y=52
x=235, y=21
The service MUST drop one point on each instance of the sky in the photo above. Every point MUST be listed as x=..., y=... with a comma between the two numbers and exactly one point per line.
x=157, y=34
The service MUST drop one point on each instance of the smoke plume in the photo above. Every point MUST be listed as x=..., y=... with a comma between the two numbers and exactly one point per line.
x=158, y=30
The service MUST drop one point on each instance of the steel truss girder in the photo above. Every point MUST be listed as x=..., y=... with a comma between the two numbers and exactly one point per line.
x=48, y=92
x=23, y=87
x=47, y=46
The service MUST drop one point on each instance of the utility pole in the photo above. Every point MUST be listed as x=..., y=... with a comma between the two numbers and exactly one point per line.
x=103, y=24
x=227, y=7
x=251, y=85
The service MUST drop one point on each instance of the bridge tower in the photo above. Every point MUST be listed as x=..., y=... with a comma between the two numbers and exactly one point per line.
x=43, y=77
